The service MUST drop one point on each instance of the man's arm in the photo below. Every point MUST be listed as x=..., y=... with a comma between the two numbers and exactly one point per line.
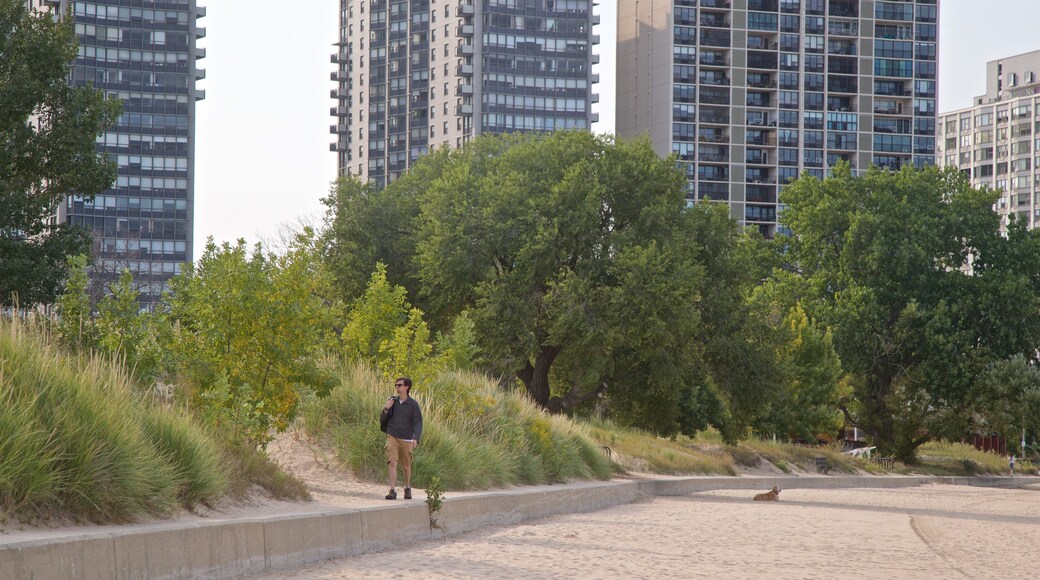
x=417, y=424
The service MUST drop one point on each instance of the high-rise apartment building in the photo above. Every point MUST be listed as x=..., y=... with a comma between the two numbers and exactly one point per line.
x=996, y=141
x=144, y=53
x=413, y=75
x=751, y=93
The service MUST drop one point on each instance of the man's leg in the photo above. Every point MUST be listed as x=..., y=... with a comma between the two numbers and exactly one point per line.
x=393, y=474
x=407, y=467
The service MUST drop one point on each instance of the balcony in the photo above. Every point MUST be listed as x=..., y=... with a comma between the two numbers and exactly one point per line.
x=713, y=119
x=715, y=81
x=756, y=158
x=713, y=157
x=715, y=4
x=888, y=109
x=713, y=138
x=339, y=111
x=464, y=50
x=713, y=58
x=704, y=175
x=760, y=82
x=465, y=9
x=760, y=194
x=763, y=139
x=464, y=90
x=464, y=70
x=464, y=30
x=340, y=57
x=200, y=53
x=758, y=176
x=843, y=29
x=714, y=20
x=753, y=213
x=464, y=109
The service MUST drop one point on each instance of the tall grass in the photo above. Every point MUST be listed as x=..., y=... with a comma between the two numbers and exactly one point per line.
x=641, y=451
x=74, y=439
x=475, y=436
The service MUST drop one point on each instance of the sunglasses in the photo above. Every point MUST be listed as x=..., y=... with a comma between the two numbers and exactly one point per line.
x=400, y=385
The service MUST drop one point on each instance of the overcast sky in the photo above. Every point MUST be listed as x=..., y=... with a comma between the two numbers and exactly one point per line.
x=262, y=133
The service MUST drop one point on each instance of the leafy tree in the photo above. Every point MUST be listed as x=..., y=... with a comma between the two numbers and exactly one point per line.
x=457, y=349
x=810, y=391
x=375, y=316
x=408, y=352
x=47, y=151
x=76, y=325
x=574, y=256
x=922, y=292
x=1007, y=399
x=250, y=328
x=740, y=367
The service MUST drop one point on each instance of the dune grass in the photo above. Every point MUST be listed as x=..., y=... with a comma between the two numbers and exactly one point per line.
x=784, y=454
x=474, y=436
x=644, y=452
x=942, y=458
x=75, y=441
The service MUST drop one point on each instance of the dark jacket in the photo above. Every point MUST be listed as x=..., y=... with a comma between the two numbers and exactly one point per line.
x=403, y=420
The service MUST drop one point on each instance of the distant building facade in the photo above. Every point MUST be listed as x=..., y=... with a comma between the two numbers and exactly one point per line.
x=144, y=53
x=996, y=140
x=751, y=93
x=414, y=75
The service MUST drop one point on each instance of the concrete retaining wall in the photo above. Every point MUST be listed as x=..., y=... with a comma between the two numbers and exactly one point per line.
x=251, y=545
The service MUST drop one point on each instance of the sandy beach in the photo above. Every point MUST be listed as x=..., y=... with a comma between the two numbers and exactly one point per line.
x=933, y=531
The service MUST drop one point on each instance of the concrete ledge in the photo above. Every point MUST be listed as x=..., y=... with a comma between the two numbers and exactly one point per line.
x=249, y=545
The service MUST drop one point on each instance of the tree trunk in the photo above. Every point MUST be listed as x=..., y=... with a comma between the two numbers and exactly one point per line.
x=536, y=377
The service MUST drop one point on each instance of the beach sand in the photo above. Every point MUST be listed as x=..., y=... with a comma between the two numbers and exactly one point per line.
x=924, y=532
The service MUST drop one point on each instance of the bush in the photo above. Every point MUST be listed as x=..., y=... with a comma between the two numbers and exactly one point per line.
x=74, y=439
x=474, y=437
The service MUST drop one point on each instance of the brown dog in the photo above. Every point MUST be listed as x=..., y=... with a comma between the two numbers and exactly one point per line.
x=771, y=495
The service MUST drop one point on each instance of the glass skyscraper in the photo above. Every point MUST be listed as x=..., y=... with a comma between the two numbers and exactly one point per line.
x=413, y=75
x=144, y=53
x=752, y=93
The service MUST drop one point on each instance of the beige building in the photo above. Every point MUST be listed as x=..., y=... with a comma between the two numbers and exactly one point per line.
x=749, y=94
x=997, y=139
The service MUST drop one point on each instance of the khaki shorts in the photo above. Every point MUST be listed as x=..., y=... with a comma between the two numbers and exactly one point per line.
x=398, y=450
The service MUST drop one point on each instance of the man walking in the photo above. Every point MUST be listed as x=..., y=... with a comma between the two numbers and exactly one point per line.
x=403, y=421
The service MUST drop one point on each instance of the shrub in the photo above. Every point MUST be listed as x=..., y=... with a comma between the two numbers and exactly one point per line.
x=474, y=436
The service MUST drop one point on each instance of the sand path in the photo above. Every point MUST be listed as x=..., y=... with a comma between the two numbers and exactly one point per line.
x=927, y=532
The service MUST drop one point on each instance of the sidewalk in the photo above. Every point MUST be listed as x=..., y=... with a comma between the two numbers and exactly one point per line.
x=297, y=534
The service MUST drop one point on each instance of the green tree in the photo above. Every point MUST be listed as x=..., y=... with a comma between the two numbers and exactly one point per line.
x=574, y=256
x=910, y=271
x=740, y=368
x=375, y=315
x=810, y=390
x=76, y=325
x=1007, y=399
x=47, y=151
x=250, y=329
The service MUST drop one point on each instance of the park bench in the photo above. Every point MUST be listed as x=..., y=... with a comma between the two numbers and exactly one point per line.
x=821, y=465
x=886, y=462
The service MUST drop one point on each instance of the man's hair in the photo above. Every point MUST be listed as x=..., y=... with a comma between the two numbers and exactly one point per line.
x=407, y=383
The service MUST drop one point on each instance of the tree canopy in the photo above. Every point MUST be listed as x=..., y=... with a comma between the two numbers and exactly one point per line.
x=921, y=289
x=583, y=271
x=47, y=151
